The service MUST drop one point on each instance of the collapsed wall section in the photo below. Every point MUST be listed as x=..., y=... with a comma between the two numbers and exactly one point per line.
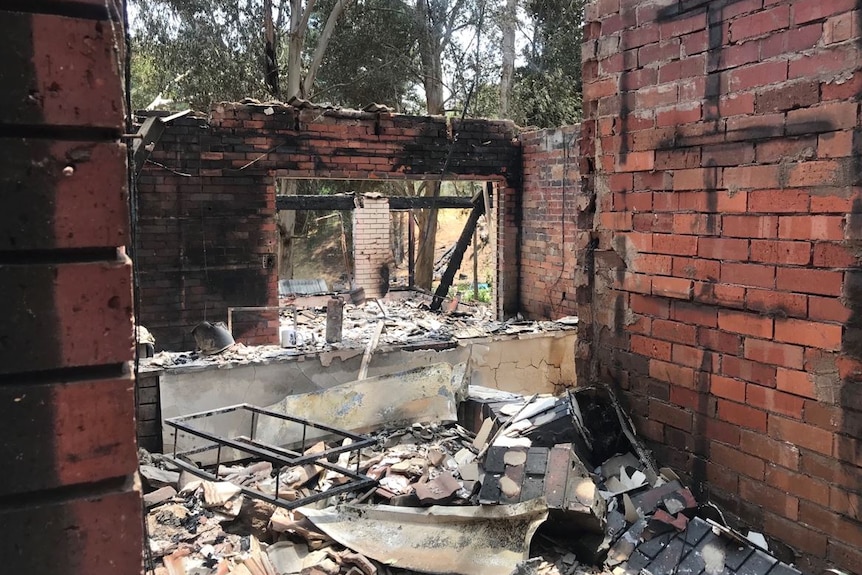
x=720, y=148
x=207, y=235
x=551, y=188
x=68, y=496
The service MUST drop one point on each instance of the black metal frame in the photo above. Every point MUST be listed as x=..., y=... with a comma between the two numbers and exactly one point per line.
x=278, y=456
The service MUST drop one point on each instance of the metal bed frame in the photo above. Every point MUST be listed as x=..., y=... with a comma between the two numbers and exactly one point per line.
x=278, y=456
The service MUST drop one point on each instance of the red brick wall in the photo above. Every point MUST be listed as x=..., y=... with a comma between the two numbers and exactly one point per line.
x=551, y=187
x=226, y=202
x=68, y=502
x=721, y=151
x=206, y=238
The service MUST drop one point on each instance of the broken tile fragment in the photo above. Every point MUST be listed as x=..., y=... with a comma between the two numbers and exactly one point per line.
x=515, y=457
x=159, y=496
x=483, y=434
x=437, y=491
x=679, y=522
x=509, y=488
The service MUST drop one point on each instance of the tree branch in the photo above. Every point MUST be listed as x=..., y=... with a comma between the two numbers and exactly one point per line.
x=322, y=43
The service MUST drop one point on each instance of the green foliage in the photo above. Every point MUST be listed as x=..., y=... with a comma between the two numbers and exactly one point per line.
x=199, y=51
x=196, y=52
x=371, y=57
x=147, y=82
x=467, y=295
x=548, y=87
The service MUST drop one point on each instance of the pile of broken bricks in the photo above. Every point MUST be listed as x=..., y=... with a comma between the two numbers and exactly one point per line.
x=547, y=486
x=406, y=321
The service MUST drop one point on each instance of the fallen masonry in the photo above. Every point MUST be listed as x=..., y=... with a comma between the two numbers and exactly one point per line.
x=438, y=476
x=406, y=319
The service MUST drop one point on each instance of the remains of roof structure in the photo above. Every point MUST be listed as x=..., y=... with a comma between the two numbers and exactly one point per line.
x=434, y=476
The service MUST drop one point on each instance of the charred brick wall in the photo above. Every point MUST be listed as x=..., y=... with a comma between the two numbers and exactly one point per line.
x=720, y=153
x=551, y=188
x=68, y=501
x=207, y=236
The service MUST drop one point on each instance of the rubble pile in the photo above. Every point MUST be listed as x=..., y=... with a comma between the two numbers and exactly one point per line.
x=545, y=486
x=407, y=321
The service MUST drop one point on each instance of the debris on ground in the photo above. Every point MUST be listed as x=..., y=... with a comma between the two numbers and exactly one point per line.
x=408, y=321
x=546, y=485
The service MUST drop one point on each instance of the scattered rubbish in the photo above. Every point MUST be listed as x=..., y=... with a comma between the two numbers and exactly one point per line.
x=334, y=319
x=145, y=341
x=408, y=322
x=757, y=539
x=301, y=287
x=547, y=486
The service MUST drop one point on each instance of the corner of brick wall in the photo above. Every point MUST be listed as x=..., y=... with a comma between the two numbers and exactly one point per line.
x=68, y=496
x=551, y=188
x=720, y=143
x=207, y=234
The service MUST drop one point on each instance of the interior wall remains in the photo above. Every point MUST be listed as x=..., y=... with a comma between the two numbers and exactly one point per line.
x=372, y=250
x=68, y=496
x=528, y=364
x=206, y=218
x=721, y=163
x=548, y=255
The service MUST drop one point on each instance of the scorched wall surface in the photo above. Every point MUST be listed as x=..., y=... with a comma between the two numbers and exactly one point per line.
x=551, y=188
x=68, y=500
x=207, y=235
x=720, y=147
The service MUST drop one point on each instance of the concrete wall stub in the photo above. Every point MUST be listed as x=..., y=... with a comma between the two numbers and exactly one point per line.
x=538, y=363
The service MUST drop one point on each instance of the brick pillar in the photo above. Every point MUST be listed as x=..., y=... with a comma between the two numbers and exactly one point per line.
x=372, y=250
x=507, y=228
x=68, y=501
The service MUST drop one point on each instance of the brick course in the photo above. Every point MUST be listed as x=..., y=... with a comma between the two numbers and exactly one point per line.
x=750, y=121
x=206, y=229
x=547, y=252
x=69, y=498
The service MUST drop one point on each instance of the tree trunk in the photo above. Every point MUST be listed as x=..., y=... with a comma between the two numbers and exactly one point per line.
x=322, y=43
x=431, y=46
x=285, y=220
x=295, y=39
x=507, y=26
x=427, y=240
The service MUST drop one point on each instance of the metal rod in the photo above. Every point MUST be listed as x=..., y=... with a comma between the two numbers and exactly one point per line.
x=176, y=421
x=347, y=487
x=411, y=250
x=475, y=264
x=280, y=457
